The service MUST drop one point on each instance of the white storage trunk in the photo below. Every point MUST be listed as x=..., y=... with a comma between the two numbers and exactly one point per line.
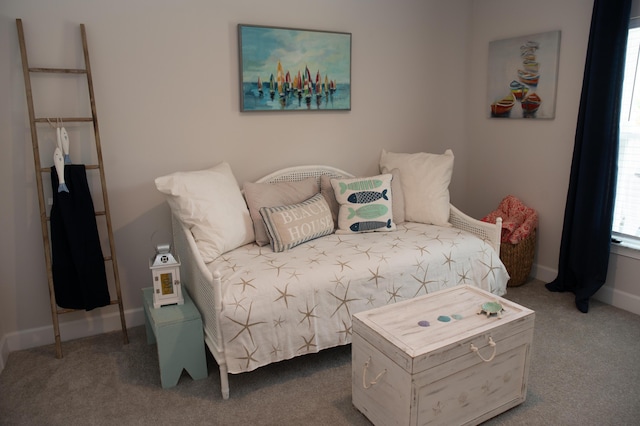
x=459, y=372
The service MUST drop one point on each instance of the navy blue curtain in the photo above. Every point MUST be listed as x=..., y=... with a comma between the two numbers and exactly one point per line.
x=588, y=216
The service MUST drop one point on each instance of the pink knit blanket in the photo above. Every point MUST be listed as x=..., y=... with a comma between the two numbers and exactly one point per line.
x=518, y=220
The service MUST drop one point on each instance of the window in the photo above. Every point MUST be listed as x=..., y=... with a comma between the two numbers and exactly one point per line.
x=626, y=220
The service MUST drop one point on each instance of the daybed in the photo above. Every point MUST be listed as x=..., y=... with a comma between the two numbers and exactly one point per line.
x=260, y=306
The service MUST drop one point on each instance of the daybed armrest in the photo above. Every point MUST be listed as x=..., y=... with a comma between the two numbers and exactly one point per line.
x=489, y=232
x=203, y=286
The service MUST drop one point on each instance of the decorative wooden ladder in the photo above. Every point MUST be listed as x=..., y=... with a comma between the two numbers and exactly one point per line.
x=44, y=219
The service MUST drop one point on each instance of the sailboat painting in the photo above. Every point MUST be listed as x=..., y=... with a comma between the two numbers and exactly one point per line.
x=274, y=55
x=523, y=75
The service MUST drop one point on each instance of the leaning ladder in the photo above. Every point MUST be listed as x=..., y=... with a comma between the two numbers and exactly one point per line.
x=44, y=219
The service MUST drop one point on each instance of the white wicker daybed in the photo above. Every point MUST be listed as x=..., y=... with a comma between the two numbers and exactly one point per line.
x=259, y=306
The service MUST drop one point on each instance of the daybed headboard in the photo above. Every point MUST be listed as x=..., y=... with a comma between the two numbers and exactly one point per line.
x=485, y=231
x=293, y=174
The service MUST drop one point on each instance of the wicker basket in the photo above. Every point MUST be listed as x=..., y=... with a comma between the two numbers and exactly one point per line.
x=518, y=258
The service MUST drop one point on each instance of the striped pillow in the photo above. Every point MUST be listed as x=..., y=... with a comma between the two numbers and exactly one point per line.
x=289, y=226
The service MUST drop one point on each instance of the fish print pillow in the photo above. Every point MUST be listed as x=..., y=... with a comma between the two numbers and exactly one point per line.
x=365, y=204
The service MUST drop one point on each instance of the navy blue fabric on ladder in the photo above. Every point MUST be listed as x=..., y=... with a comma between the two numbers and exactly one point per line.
x=79, y=277
x=588, y=216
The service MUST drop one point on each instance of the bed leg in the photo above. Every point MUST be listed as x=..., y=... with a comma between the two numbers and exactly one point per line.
x=224, y=381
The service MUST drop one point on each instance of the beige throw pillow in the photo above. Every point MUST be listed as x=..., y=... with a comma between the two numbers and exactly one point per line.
x=275, y=194
x=425, y=182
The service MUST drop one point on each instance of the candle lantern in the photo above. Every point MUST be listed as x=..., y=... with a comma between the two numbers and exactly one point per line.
x=165, y=268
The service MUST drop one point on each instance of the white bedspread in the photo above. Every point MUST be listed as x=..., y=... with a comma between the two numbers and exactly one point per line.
x=280, y=305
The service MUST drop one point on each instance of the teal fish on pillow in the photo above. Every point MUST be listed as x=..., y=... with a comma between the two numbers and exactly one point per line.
x=360, y=185
x=370, y=225
x=370, y=211
x=366, y=197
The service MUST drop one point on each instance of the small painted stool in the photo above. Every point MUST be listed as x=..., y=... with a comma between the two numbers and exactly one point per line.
x=177, y=329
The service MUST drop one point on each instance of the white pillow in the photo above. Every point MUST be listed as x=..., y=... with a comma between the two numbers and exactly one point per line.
x=365, y=204
x=425, y=182
x=210, y=203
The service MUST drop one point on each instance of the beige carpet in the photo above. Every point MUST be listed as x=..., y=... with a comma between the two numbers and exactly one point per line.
x=585, y=370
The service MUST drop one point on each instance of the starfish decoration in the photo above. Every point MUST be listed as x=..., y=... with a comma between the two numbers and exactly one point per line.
x=364, y=252
x=422, y=250
x=448, y=260
x=347, y=330
x=259, y=253
x=423, y=282
x=371, y=300
x=343, y=265
x=491, y=268
x=278, y=322
x=308, y=314
x=376, y=275
x=437, y=238
x=307, y=343
x=277, y=267
x=341, y=241
x=384, y=258
x=463, y=277
x=238, y=304
x=249, y=356
x=284, y=295
x=338, y=281
x=394, y=245
x=343, y=301
x=394, y=294
x=245, y=283
x=246, y=326
x=418, y=264
x=294, y=274
x=275, y=350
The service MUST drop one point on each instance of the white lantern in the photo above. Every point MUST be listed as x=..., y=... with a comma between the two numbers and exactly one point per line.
x=165, y=269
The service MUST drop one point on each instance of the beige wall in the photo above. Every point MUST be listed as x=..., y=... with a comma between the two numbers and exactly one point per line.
x=532, y=159
x=166, y=81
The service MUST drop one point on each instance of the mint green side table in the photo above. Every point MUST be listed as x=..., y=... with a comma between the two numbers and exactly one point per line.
x=177, y=329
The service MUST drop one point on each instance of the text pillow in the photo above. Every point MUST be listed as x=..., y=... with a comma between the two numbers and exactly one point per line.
x=365, y=204
x=210, y=203
x=425, y=182
x=275, y=194
x=289, y=226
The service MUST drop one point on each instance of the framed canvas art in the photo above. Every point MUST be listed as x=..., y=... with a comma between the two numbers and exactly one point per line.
x=523, y=75
x=287, y=69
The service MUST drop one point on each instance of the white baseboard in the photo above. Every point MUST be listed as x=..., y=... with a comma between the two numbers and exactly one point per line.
x=69, y=330
x=607, y=294
x=619, y=299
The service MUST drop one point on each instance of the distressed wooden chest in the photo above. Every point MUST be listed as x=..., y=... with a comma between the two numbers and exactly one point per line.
x=437, y=359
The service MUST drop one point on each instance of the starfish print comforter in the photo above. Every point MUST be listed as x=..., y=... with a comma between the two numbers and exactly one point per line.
x=280, y=305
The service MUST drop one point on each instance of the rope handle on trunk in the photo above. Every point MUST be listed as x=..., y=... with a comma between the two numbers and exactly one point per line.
x=364, y=375
x=492, y=344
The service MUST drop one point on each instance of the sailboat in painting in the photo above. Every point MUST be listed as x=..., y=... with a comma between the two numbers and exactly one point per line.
x=318, y=85
x=280, y=80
